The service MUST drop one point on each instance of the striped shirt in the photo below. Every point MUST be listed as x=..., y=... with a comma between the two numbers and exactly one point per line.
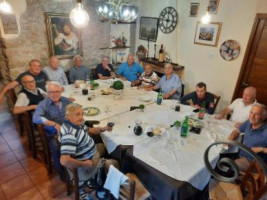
x=151, y=79
x=76, y=142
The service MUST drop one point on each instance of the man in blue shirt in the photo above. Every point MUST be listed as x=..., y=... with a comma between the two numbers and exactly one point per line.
x=199, y=97
x=79, y=71
x=51, y=112
x=130, y=70
x=255, y=135
x=104, y=70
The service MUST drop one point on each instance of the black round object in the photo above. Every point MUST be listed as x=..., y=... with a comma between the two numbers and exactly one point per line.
x=138, y=130
x=150, y=134
x=168, y=19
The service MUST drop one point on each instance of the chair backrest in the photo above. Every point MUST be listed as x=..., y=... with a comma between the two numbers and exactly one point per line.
x=216, y=100
x=254, y=182
x=12, y=95
x=127, y=190
x=182, y=92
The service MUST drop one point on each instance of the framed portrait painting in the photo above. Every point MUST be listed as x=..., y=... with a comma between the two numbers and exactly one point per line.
x=64, y=39
x=194, y=9
x=208, y=34
x=213, y=6
x=148, y=29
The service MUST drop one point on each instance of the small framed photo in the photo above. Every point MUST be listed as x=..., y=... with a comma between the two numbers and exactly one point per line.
x=213, y=6
x=64, y=39
x=208, y=34
x=148, y=28
x=194, y=9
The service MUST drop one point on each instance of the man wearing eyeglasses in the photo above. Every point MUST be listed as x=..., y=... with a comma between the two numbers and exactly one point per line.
x=51, y=112
x=29, y=96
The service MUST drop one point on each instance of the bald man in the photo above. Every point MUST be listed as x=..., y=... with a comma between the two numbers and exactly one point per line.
x=56, y=72
x=240, y=107
x=29, y=96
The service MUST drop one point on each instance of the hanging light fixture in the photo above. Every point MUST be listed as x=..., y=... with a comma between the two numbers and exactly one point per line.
x=78, y=16
x=206, y=19
x=5, y=7
x=116, y=11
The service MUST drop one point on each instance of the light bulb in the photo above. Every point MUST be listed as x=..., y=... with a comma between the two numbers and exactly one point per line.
x=126, y=13
x=105, y=9
x=5, y=7
x=100, y=9
x=79, y=17
x=206, y=18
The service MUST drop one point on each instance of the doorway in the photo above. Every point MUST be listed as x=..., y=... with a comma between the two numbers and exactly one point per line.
x=254, y=68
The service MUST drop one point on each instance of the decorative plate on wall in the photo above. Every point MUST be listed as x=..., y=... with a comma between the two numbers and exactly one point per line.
x=230, y=50
x=168, y=19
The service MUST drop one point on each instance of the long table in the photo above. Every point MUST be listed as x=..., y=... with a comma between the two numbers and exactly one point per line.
x=169, y=166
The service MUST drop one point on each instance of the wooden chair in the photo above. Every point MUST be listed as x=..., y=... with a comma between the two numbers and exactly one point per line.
x=251, y=187
x=216, y=100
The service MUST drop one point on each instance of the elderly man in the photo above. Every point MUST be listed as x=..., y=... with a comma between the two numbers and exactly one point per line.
x=50, y=112
x=255, y=135
x=35, y=70
x=29, y=96
x=56, y=72
x=130, y=70
x=170, y=84
x=199, y=97
x=79, y=71
x=104, y=70
x=78, y=149
x=147, y=79
x=240, y=107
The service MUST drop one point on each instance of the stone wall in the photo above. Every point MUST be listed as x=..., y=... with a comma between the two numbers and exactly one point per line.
x=32, y=42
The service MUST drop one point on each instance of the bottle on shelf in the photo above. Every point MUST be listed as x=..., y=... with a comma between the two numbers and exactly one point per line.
x=159, y=97
x=201, y=112
x=161, y=54
x=184, y=127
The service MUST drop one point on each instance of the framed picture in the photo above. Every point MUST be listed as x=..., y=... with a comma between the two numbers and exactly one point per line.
x=213, y=6
x=208, y=34
x=148, y=29
x=194, y=9
x=64, y=40
x=230, y=50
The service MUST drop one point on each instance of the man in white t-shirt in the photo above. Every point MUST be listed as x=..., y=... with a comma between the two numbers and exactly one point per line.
x=240, y=107
x=29, y=96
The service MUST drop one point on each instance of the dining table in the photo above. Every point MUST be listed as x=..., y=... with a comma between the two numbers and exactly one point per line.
x=170, y=166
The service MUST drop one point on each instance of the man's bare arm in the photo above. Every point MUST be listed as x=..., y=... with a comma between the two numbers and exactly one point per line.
x=9, y=86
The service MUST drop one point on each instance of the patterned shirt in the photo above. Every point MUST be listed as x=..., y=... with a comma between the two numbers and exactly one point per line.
x=172, y=83
x=76, y=142
x=56, y=75
x=151, y=79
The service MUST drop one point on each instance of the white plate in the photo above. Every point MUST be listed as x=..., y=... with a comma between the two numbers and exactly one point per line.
x=145, y=98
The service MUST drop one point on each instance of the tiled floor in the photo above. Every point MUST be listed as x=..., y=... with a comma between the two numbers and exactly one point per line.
x=21, y=176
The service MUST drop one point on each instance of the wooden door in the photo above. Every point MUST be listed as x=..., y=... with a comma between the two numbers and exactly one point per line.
x=254, y=67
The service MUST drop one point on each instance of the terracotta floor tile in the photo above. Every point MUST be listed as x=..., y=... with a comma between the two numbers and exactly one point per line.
x=4, y=148
x=31, y=194
x=40, y=175
x=7, y=159
x=17, y=186
x=10, y=172
x=63, y=196
x=30, y=164
x=22, y=153
x=52, y=188
x=17, y=143
x=2, y=195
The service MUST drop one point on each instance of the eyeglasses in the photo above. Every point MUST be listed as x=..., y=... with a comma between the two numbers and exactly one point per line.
x=27, y=82
x=54, y=92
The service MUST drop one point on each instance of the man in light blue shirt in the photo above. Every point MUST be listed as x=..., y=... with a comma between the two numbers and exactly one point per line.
x=130, y=70
x=170, y=84
x=56, y=72
x=79, y=71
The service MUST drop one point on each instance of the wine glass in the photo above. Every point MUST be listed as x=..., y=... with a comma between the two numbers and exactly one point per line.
x=107, y=109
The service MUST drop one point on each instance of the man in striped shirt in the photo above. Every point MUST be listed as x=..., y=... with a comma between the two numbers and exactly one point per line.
x=78, y=149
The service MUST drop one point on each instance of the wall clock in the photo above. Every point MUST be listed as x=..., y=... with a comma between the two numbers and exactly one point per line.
x=168, y=19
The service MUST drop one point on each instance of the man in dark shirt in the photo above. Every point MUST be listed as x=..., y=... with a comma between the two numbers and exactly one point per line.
x=104, y=70
x=35, y=71
x=199, y=97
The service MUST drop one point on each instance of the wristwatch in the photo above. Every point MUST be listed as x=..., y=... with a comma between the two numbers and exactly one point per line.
x=55, y=124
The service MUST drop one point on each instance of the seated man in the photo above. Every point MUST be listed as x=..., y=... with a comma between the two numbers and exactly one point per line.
x=35, y=71
x=50, y=112
x=147, y=79
x=130, y=70
x=56, y=72
x=79, y=71
x=170, y=84
x=104, y=70
x=240, y=107
x=255, y=135
x=199, y=97
x=29, y=96
x=78, y=149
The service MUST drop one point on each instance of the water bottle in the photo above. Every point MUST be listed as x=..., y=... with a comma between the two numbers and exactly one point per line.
x=184, y=127
x=87, y=80
x=159, y=97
